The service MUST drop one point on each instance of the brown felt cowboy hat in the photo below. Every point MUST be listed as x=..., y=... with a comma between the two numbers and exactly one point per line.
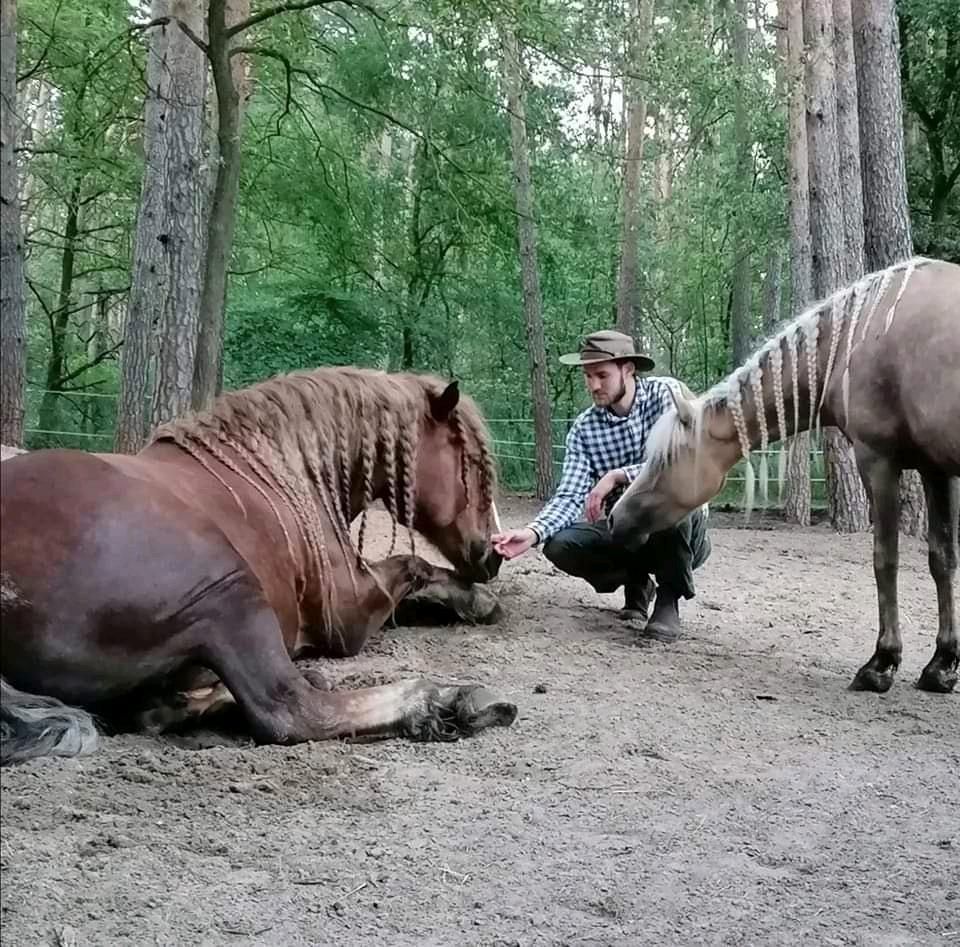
x=608, y=345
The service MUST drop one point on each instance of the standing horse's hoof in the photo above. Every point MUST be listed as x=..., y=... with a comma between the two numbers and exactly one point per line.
x=869, y=679
x=937, y=680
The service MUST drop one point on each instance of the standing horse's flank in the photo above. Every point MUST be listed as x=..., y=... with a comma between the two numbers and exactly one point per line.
x=896, y=334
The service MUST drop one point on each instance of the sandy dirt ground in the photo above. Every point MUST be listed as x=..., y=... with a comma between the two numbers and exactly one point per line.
x=725, y=789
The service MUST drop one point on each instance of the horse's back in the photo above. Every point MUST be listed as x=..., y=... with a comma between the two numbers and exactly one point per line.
x=105, y=567
x=903, y=385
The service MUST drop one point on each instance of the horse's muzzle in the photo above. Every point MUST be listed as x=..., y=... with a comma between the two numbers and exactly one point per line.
x=483, y=565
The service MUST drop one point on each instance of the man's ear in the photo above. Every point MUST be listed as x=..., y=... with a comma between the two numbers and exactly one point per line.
x=684, y=407
x=441, y=405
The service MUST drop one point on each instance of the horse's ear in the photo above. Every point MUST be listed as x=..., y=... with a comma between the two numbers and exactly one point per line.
x=441, y=405
x=683, y=406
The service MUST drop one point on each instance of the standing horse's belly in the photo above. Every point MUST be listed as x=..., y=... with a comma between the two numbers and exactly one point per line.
x=107, y=575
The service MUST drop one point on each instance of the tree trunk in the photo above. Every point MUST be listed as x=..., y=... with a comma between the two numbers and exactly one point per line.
x=772, y=291
x=182, y=229
x=886, y=211
x=208, y=370
x=60, y=319
x=741, y=336
x=848, y=126
x=163, y=308
x=846, y=496
x=13, y=318
x=639, y=28
x=796, y=499
x=529, y=267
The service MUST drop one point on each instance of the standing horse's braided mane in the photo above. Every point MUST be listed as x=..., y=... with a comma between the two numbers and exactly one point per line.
x=300, y=434
x=834, y=322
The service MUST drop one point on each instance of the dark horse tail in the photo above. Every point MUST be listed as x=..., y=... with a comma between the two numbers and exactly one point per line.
x=31, y=726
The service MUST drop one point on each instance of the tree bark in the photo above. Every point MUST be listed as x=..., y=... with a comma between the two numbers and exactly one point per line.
x=886, y=211
x=60, y=319
x=208, y=371
x=845, y=494
x=848, y=126
x=639, y=28
x=163, y=311
x=796, y=500
x=13, y=318
x=184, y=223
x=741, y=336
x=529, y=266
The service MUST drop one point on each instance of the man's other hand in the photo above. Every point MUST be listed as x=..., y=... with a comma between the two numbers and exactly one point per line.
x=605, y=485
x=514, y=542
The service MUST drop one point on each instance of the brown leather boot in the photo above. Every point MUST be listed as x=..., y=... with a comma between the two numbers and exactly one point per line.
x=636, y=599
x=664, y=624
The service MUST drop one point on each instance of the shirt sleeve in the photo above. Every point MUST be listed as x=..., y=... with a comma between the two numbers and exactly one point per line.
x=566, y=504
x=658, y=403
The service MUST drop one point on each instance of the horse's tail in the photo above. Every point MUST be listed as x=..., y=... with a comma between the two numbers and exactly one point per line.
x=31, y=726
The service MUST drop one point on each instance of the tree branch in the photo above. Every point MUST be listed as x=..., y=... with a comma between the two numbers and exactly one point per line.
x=294, y=7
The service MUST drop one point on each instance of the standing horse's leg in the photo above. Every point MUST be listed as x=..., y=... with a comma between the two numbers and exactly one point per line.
x=243, y=644
x=881, y=477
x=943, y=511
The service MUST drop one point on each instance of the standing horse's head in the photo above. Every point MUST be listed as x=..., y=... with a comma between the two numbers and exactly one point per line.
x=454, y=505
x=685, y=466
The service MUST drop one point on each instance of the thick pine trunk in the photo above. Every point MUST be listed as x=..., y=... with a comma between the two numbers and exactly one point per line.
x=886, y=211
x=13, y=325
x=529, y=266
x=185, y=189
x=796, y=500
x=639, y=28
x=162, y=315
x=845, y=494
x=741, y=336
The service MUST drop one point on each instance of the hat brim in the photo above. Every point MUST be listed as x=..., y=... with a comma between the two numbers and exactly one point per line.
x=643, y=363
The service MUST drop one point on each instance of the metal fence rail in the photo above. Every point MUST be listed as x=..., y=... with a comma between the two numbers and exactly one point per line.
x=86, y=419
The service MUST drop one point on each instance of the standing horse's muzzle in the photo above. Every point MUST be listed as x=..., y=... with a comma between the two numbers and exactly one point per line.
x=482, y=565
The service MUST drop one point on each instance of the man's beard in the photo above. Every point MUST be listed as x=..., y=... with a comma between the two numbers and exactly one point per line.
x=614, y=399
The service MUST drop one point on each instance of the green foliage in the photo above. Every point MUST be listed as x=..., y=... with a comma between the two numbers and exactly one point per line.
x=377, y=223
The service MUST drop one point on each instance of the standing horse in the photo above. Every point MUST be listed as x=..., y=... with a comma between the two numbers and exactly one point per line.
x=881, y=361
x=206, y=562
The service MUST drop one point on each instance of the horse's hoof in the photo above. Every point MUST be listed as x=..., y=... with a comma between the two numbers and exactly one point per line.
x=479, y=607
x=480, y=708
x=937, y=680
x=868, y=679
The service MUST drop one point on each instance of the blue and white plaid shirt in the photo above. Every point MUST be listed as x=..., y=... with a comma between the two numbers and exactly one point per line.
x=600, y=441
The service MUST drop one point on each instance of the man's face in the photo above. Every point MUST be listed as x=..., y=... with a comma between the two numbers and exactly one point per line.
x=606, y=382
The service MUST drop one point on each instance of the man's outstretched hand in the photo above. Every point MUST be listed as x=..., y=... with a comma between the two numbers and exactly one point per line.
x=513, y=542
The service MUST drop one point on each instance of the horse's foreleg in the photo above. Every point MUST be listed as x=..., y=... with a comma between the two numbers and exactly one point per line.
x=246, y=648
x=881, y=477
x=943, y=510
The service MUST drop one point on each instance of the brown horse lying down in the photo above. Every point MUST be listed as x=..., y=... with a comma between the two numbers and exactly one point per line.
x=881, y=361
x=192, y=573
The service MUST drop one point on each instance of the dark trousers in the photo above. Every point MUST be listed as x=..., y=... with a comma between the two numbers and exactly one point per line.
x=587, y=550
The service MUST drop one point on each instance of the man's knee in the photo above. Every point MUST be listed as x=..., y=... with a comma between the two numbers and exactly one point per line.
x=562, y=552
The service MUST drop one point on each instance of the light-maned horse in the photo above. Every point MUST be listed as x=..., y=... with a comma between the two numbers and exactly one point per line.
x=193, y=572
x=880, y=359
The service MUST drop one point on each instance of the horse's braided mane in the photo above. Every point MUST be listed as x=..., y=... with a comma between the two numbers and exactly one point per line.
x=297, y=436
x=843, y=311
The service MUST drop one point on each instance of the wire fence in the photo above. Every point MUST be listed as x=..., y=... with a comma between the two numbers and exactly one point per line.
x=87, y=420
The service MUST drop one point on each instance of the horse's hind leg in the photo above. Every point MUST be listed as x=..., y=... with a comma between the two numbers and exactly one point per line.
x=943, y=510
x=881, y=477
x=245, y=647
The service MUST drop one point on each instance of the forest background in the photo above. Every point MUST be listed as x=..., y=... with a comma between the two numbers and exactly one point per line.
x=203, y=194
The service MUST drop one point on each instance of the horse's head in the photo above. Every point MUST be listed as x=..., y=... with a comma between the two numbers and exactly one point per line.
x=684, y=468
x=454, y=486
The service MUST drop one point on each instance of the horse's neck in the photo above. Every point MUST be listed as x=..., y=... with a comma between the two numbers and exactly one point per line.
x=781, y=392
